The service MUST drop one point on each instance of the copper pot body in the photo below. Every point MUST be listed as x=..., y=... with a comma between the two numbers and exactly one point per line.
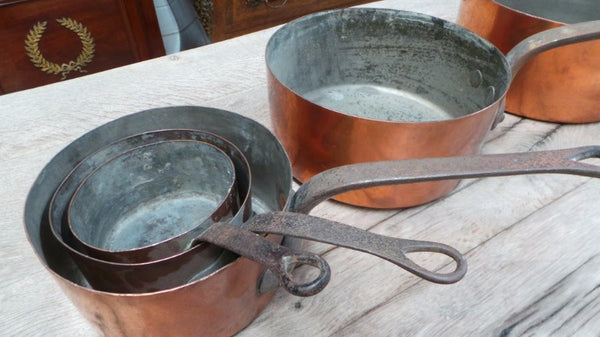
x=219, y=304
x=341, y=139
x=560, y=85
x=318, y=138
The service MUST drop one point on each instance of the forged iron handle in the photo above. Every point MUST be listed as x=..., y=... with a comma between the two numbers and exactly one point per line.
x=391, y=249
x=280, y=260
x=357, y=176
x=549, y=39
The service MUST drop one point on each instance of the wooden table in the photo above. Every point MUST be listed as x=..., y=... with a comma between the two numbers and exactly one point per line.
x=532, y=242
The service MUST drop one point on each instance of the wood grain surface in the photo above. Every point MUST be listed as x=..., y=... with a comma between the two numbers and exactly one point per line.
x=532, y=242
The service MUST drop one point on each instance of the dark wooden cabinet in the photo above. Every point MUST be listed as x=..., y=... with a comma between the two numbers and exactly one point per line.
x=45, y=41
x=224, y=19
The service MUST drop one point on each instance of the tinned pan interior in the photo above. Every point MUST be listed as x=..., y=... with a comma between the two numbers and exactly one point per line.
x=430, y=69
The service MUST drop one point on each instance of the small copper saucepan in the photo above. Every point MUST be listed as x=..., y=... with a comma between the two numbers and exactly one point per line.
x=204, y=184
x=163, y=264
x=562, y=85
x=363, y=85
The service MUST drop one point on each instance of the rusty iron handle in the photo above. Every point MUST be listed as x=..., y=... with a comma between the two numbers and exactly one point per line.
x=357, y=176
x=551, y=38
x=280, y=260
x=389, y=248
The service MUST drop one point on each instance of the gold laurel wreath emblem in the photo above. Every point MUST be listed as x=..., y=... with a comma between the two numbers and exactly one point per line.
x=35, y=55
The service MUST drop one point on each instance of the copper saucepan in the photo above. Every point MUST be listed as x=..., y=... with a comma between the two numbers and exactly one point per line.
x=216, y=191
x=562, y=85
x=203, y=307
x=239, y=289
x=165, y=264
x=363, y=85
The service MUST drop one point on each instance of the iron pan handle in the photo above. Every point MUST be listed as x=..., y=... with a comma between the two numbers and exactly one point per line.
x=549, y=39
x=357, y=176
x=391, y=249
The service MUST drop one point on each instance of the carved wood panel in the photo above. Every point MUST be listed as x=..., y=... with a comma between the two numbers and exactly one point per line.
x=45, y=41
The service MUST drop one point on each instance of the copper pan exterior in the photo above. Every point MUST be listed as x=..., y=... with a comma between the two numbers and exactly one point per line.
x=219, y=305
x=561, y=85
x=317, y=138
x=341, y=139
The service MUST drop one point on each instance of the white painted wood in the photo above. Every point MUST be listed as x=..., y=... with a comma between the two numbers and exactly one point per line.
x=531, y=241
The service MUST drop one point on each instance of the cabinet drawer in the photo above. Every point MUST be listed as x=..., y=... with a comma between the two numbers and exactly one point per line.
x=45, y=41
x=236, y=17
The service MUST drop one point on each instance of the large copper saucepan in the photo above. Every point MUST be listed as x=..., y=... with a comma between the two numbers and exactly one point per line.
x=362, y=85
x=238, y=289
x=562, y=85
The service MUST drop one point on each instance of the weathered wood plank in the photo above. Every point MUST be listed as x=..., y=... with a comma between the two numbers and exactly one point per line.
x=538, y=273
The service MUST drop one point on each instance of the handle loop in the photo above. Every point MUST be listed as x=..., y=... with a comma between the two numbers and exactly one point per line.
x=280, y=260
x=312, y=287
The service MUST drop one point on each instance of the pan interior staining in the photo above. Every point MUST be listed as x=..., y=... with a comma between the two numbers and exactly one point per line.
x=377, y=102
x=150, y=194
x=390, y=66
x=158, y=220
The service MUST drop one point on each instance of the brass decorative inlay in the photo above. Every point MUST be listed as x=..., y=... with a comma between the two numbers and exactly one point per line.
x=35, y=55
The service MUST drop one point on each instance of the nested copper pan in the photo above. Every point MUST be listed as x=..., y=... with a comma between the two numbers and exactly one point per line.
x=561, y=85
x=155, y=267
x=200, y=308
x=205, y=306
x=361, y=85
x=213, y=198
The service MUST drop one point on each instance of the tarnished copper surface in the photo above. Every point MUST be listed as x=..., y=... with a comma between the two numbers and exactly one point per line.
x=219, y=305
x=561, y=85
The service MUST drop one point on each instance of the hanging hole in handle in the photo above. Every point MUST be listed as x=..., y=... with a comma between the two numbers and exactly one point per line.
x=591, y=157
x=294, y=279
x=587, y=158
x=591, y=161
x=441, y=275
x=430, y=261
x=436, y=263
